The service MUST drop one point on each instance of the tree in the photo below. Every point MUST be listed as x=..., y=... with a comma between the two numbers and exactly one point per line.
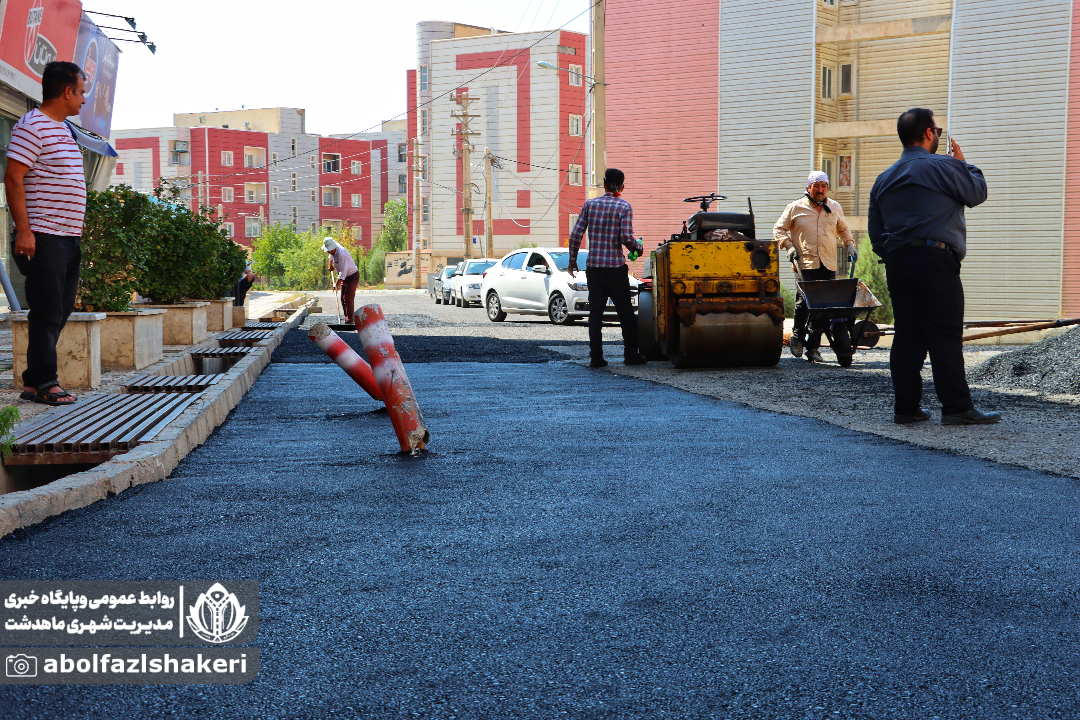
x=396, y=225
x=872, y=274
x=305, y=263
x=344, y=237
x=268, y=251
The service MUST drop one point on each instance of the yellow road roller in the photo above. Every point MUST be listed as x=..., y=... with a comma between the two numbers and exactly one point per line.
x=711, y=296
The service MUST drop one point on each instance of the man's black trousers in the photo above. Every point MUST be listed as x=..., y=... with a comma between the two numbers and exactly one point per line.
x=52, y=280
x=928, y=305
x=802, y=313
x=611, y=283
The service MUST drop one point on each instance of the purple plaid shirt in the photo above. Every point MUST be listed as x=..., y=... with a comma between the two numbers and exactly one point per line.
x=610, y=222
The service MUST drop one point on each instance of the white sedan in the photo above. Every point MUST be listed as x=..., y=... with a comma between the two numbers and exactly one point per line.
x=534, y=281
x=467, y=284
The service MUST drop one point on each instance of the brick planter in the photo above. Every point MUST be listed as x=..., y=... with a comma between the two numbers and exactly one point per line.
x=132, y=340
x=219, y=316
x=185, y=323
x=78, y=353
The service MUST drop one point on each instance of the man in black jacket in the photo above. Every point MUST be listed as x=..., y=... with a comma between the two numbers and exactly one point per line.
x=916, y=225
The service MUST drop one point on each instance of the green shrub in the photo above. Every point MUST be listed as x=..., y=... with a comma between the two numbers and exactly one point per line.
x=872, y=274
x=268, y=250
x=9, y=417
x=789, y=300
x=119, y=223
x=306, y=264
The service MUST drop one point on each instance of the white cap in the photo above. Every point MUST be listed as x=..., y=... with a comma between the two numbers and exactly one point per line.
x=817, y=176
x=329, y=245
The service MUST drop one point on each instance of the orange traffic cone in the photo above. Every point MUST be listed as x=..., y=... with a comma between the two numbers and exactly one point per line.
x=390, y=375
x=340, y=352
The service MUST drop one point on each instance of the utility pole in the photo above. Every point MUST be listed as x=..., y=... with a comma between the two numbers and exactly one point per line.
x=466, y=167
x=417, y=213
x=489, y=233
x=599, y=100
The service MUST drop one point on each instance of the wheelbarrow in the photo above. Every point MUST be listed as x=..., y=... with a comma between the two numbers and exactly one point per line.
x=840, y=309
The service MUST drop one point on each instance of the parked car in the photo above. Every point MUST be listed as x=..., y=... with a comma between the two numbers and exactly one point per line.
x=534, y=281
x=437, y=284
x=450, y=282
x=467, y=285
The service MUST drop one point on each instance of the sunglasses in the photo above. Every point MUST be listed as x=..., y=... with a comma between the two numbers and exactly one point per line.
x=937, y=130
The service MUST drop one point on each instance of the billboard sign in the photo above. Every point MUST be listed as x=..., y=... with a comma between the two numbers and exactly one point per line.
x=98, y=57
x=33, y=34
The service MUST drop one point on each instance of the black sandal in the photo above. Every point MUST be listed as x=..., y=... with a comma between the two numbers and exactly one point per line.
x=47, y=397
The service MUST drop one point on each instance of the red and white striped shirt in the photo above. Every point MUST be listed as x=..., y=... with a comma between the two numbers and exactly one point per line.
x=55, y=184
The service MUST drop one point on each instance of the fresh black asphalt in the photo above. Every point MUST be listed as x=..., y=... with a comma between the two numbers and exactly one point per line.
x=581, y=545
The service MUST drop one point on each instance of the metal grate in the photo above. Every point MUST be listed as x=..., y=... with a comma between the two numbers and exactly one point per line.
x=171, y=383
x=234, y=351
x=254, y=325
x=95, y=430
x=240, y=337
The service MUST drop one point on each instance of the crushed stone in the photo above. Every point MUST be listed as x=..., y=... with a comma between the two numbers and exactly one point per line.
x=1048, y=367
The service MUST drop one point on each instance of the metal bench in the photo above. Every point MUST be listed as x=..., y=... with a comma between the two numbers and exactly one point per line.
x=171, y=383
x=244, y=337
x=94, y=430
x=222, y=352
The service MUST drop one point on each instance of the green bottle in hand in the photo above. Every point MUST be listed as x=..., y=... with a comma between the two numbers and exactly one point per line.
x=634, y=254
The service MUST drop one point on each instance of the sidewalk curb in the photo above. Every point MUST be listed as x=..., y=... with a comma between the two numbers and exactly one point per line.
x=150, y=462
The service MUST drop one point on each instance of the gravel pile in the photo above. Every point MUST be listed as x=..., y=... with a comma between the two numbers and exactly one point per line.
x=1049, y=367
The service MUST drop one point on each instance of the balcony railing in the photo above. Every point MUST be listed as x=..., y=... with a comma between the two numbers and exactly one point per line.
x=255, y=198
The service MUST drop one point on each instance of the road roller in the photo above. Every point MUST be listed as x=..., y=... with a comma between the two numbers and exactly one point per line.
x=711, y=296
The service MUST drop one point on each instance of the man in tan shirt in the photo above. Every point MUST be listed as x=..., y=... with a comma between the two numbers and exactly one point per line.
x=809, y=229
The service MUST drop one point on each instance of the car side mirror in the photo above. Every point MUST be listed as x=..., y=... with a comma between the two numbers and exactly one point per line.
x=543, y=269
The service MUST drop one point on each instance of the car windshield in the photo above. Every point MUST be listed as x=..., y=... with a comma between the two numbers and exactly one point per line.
x=447, y=272
x=562, y=259
x=476, y=268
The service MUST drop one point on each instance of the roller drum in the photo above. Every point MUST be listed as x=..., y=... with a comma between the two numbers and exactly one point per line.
x=648, y=344
x=727, y=340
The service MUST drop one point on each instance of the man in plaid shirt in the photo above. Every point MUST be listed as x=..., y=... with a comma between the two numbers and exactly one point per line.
x=610, y=222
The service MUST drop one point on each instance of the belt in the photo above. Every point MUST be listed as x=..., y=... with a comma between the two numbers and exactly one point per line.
x=933, y=244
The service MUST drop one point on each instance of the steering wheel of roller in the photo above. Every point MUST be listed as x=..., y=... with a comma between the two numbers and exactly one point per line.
x=705, y=200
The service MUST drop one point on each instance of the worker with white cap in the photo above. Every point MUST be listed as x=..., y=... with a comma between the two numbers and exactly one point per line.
x=809, y=229
x=348, y=276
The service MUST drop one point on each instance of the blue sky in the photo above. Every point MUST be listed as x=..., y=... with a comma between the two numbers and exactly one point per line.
x=344, y=62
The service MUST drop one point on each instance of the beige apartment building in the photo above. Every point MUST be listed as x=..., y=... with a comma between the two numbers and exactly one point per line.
x=763, y=92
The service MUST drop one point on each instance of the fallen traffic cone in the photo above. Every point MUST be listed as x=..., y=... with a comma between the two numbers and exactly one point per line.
x=393, y=383
x=340, y=352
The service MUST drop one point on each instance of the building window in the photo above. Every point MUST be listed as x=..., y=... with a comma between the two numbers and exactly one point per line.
x=575, y=174
x=295, y=215
x=426, y=215
x=226, y=158
x=827, y=167
x=847, y=85
x=331, y=163
x=312, y=159
x=227, y=195
x=423, y=122
x=313, y=195
x=273, y=158
x=402, y=152
x=254, y=193
x=573, y=222
x=830, y=3
x=423, y=169
x=357, y=200
x=293, y=146
x=575, y=125
x=826, y=82
x=230, y=229
x=274, y=193
x=356, y=234
x=252, y=227
x=331, y=197
x=254, y=157
x=576, y=75
x=314, y=226
x=357, y=167
x=292, y=183
x=423, y=78
x=402, y=184
x=843, y=177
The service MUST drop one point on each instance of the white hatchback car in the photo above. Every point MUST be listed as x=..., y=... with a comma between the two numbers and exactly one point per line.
x=466, y=286
x=534, y=281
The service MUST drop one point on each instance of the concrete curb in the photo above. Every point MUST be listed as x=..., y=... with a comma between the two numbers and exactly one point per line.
x=150, y=462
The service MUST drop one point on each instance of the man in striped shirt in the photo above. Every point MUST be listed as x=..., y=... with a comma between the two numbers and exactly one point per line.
x=46, y=191
x=610, y=222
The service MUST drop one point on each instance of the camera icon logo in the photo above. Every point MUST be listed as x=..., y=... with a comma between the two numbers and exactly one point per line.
x=21, y=666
